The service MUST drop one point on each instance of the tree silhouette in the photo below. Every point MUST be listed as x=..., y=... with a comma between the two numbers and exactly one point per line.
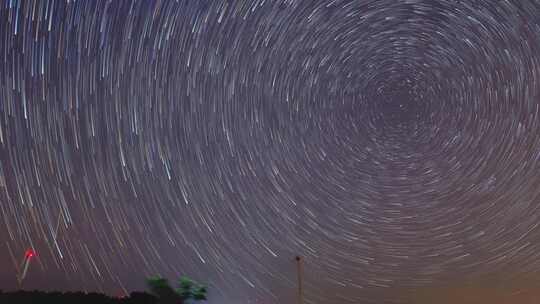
x=190, y=290
x=160, y=287
x=187, y=290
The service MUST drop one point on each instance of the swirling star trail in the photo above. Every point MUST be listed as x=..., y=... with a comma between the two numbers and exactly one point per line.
x=393, y=144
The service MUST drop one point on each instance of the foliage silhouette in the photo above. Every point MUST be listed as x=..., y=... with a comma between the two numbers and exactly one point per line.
x=190, y=290
x=163, y=291
x=187, y=290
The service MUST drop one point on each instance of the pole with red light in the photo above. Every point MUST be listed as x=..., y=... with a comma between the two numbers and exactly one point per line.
x=28, y=255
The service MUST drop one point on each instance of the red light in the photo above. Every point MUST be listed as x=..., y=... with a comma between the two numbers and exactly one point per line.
x=29, y=254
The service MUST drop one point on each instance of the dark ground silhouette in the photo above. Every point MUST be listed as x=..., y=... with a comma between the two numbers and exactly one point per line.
x=39, y=297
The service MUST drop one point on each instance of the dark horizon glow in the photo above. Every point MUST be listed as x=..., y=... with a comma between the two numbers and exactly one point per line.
x=394, y=145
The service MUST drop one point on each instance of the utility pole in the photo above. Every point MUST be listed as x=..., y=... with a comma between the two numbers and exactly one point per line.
x=299, y=269
x=28, y=255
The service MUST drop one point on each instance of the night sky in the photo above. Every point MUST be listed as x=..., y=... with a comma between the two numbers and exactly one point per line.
x=394, y=144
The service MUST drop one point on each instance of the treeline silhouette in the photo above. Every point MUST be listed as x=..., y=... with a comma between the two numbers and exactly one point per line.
x=162, y=293
x=39, y=297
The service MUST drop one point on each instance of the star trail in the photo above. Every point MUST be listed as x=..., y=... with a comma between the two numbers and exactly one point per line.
x=393, y=144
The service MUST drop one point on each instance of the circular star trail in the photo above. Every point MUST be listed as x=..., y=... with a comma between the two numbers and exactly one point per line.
x=392, y=144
